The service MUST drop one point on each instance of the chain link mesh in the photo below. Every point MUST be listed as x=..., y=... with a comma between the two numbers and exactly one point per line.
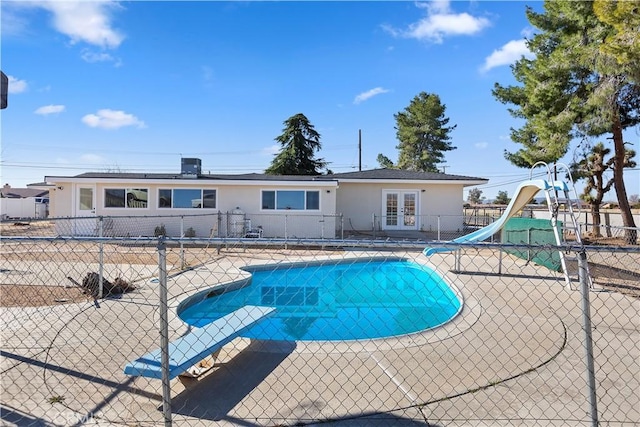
x=513, y=352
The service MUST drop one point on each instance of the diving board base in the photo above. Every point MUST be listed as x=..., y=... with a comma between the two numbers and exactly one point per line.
x=186, y=352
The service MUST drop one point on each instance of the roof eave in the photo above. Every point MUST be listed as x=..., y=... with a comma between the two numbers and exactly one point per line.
x=464, y=182
x=191, y=181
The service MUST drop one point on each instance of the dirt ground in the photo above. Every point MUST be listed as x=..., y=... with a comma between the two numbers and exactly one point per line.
x=39, y=296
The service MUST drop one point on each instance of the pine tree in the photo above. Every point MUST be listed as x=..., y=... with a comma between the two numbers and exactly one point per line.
x=573, y=88
x=423, y=135
x=300, y=142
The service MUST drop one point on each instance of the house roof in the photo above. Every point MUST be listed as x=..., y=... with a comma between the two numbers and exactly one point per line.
x=23, y=193
x=174, y=176
x=368, y=175
x=399, y=174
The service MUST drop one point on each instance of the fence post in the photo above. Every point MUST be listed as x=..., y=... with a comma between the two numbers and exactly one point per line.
x=164, y=331
x=373, y=225
x=588, y=340
x=438, y=227
x=100, y=257
x=182, y=261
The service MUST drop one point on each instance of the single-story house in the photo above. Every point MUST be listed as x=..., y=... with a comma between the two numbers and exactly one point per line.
x=23, y=202
x=324, y=206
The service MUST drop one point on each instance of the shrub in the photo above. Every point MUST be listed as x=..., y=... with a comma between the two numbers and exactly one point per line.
x=160, y=230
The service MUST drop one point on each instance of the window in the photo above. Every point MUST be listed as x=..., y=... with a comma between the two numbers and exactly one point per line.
x=186, y=198
x=291, y=200
x=86, y=199
x=125, y=197
x=268, y=200
x=313, y=200
x=164, y=198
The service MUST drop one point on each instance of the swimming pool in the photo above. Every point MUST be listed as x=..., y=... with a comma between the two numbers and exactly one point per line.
x=333, y=300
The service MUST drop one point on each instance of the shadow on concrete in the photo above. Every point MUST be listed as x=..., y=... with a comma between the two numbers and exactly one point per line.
x=374, y=420
x=510, y=275
x=125, y=386
x=213, y=397
x=15, y=417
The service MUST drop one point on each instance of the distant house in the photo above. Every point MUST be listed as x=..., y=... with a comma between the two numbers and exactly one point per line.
x=282, y=206
x=23, y=202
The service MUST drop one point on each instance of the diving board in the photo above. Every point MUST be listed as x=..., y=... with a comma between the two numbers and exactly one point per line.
x=186, y=351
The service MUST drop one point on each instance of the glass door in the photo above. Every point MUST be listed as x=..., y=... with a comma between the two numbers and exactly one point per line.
x=400, y=210
x=85, y=212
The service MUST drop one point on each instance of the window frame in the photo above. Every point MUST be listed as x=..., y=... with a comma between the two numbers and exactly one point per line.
x=305, y=195
x=126, y=190
x=202, y=190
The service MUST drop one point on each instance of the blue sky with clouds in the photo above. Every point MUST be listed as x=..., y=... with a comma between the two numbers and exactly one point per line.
x=133, y=86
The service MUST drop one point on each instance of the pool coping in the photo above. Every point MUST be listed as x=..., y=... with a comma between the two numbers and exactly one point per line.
x=463, y=319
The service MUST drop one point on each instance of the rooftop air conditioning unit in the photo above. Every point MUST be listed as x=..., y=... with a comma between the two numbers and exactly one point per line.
x=191, y=168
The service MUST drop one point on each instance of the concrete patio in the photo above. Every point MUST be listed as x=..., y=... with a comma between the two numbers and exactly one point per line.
x=514, y=355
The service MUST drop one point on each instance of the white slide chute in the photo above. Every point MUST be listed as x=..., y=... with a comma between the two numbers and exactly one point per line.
x=525, y=192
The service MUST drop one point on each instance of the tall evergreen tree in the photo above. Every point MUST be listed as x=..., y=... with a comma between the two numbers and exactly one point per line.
x=422, y=133
x=623, y=42
x=300, y=142
x=573, y=88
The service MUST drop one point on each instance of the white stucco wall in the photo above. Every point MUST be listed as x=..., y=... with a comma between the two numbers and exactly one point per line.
x=205, y=222
x=359, y=202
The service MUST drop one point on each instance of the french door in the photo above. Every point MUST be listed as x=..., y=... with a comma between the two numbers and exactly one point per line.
x=400, y=210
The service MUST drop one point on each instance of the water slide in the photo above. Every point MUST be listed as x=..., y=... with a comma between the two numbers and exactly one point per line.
x=524, y=194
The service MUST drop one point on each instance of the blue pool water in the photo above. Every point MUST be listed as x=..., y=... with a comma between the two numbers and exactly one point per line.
x=335, y=300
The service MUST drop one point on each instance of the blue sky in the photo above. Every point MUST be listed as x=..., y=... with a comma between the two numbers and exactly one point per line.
x=133, y=86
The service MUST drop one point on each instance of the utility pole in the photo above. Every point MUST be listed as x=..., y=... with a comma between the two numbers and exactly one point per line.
x=359, y=150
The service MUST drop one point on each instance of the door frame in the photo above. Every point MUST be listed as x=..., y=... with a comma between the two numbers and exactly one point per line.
x=400, y=224
x=84, y=223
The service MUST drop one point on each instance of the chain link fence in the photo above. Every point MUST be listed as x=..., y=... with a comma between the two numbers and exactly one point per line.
x=205, y=330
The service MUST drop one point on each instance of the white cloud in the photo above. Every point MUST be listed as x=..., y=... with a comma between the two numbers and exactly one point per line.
x=507, y=54
x=49, y=109
x=481, y=145
x=91, y=56
x=16, y=85
x=369, y=94
x=85, y=21
x=439, y=23
x=111, y=119
x=528, y=32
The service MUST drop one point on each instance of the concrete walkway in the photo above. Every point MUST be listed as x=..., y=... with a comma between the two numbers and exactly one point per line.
x=513, y=356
